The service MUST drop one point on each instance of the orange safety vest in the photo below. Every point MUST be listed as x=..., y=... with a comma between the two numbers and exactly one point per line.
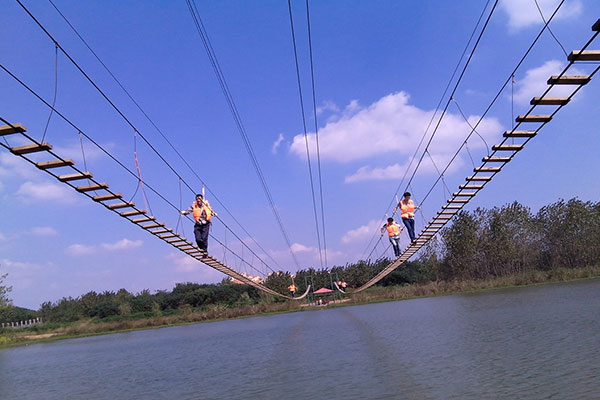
x=393, y=229
x=407, y=209
x=292, y=287
x=202, y=211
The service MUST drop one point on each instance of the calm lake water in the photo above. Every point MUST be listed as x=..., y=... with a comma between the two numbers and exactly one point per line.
x=529, y=343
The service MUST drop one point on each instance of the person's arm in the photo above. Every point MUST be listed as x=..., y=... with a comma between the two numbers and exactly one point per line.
x=187, y=211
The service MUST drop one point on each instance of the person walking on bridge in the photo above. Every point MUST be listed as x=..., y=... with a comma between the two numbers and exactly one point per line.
x=407, y=209
x=202, y=213
x=393, y=231
x=292, y=288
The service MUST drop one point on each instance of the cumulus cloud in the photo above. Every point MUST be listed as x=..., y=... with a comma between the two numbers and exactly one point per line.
x=17, y=265
x=363, y=232
x=276, y=144
x=79, y=250
x=123, y=244
x=534, y=83
x=298, y=248
x=73, y=151
x=32, y=191
x=390, y=126
x=522, y=14
x=327, y=106
x=44, y=231
x=11, y=167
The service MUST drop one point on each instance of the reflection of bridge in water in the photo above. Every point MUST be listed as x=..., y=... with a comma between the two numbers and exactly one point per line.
x=66, y=172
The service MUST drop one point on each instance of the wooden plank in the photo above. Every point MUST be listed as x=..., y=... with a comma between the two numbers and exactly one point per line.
x=496, y=159
x=464, y=194
x=144, y=219
x=470, y=187
x=452, y=207
x=569, y=80
x=89, y=188
x=154, y=225
x=585, y=55
x=132, y=213
x=446, y=212
x=519, y=133
x=487, y=169
x=185, y=248
x=458, y=200
x=74, y=177
x=30, y=148
x=167, y=236
x=120, y=205
x=9, y=130
x=184, y=243
x=443, y=217
x=549, y=101
x=110, y=196
x=479, y=178
x=156, y=232
x=507, y=147
x=181, y=239
x=67, y=162
x=533, y=118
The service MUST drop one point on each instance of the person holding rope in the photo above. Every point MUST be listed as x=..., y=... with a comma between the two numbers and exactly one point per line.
x=393, y=231
x=202, y=213
x=407, y=209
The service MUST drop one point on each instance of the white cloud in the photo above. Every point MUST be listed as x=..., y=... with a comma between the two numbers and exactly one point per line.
x=73, y=151
x=79, y=250
x=390, y=125
x=363, y=232
x=12, y=166
x=534, y=84
x=397, y=171
x=7, y=264
x=524, y=13
x=44, y=231
x=327, y=106
x=298, y=248
x=276, y=144
x=32, y=191
x=123, y=244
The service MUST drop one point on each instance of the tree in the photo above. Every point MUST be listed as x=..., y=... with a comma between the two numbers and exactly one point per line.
x=4, y=290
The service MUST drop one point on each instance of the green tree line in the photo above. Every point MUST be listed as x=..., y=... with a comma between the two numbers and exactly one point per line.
x=479, y=244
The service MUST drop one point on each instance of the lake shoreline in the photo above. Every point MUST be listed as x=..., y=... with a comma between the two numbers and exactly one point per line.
x=27, y=336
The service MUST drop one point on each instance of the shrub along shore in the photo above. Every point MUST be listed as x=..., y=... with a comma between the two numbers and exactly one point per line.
x=89, y=327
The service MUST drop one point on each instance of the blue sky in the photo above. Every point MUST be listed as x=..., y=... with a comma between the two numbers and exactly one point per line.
x=380, y=69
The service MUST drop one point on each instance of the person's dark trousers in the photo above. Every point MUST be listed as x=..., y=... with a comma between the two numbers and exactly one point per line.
x=410, y=227
x=201, y=233
x=395, y=241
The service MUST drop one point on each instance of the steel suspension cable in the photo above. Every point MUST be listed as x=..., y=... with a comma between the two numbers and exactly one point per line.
x=237, y=119
x=310, y=174
x=162, y=134
x=464, y=52
x=312, y=79
x=506, y=82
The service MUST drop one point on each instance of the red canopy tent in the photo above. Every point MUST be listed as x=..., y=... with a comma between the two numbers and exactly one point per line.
x=323, y=290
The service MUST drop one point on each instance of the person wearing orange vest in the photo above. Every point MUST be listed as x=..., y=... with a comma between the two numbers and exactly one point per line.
x=202, y=213
x=407, y=209
x=292, y=289
x=393, y=231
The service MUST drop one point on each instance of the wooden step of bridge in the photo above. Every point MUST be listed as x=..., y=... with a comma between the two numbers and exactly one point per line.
x=534, y=118
x=525, y=134
x=9, y=130
x=549, y=101
x=43, y=165
x=30, y=148
x=569, y=80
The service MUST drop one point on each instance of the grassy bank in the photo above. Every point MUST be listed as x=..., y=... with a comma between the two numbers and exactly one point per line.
x=49, y=331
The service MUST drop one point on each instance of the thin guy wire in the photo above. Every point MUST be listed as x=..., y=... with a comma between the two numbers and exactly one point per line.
x=310, y=174
x=312, y=78
x=55, y=89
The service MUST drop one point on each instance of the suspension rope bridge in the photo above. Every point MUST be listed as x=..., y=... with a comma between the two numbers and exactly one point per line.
x=66, y=172
x=58, y=167
x=501, y=153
